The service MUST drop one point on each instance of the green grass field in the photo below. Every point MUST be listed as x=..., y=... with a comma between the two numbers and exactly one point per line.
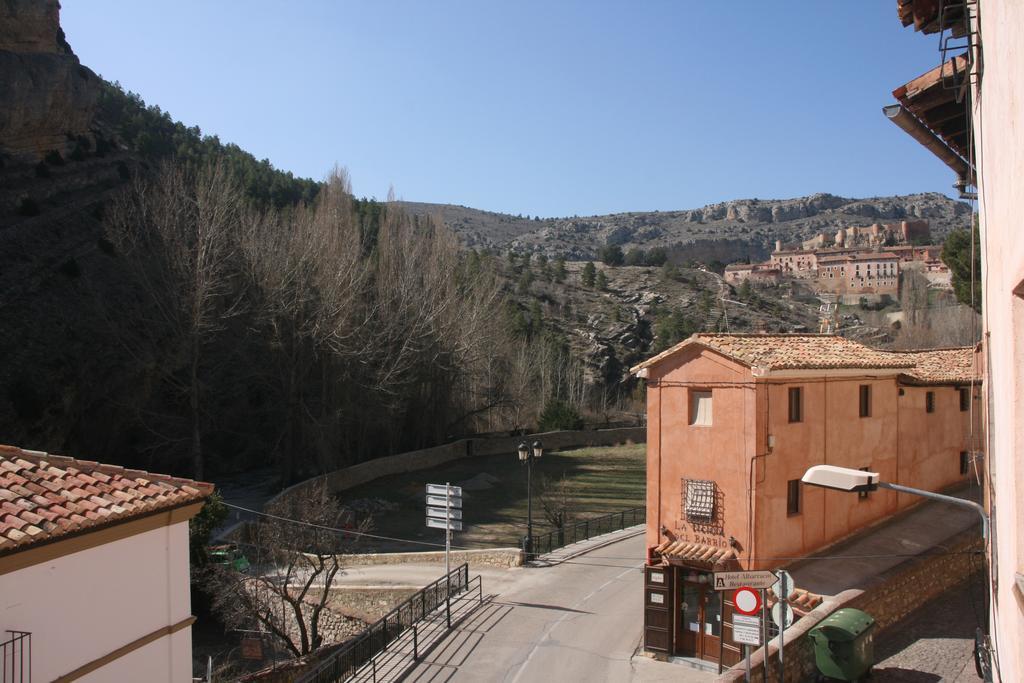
x=605, y=480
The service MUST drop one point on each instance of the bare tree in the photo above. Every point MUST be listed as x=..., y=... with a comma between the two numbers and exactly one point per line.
x=297, y=550
x=559, y=500
x=178, y=231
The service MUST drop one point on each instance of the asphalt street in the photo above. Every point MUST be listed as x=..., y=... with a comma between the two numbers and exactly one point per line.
x=580, y=620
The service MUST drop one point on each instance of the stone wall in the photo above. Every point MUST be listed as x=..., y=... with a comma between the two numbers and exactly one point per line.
x=350, y=477
x=891, y=597
x=487, y=557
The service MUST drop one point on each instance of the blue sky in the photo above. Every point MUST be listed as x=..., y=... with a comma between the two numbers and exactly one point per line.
x=540, y=108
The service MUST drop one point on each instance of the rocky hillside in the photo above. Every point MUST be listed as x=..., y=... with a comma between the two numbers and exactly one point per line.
x=723, y=231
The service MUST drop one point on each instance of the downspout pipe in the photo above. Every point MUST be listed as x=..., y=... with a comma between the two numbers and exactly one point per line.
x=913, y=127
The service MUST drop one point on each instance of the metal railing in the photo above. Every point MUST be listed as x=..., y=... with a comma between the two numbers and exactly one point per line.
x=16, y=658
x=346, y=662
x=582, y=531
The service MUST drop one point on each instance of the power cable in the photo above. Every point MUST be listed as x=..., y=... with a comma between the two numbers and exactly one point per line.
x=340, y=531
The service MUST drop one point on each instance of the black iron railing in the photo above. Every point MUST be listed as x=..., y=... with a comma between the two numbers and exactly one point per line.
x=582, y=531
x=16, y=657
x=344, y=663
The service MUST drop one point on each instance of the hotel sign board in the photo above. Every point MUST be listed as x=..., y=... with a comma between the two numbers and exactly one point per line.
x=726, y=581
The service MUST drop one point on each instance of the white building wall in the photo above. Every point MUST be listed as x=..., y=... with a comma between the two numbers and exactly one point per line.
x=999, y=138
x=83, y=606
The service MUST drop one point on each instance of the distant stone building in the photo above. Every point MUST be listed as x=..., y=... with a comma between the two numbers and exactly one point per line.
x=859, y=274
x=763, y=273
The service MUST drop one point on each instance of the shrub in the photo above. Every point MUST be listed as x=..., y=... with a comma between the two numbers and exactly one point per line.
x=53, y=158
x=558, y=415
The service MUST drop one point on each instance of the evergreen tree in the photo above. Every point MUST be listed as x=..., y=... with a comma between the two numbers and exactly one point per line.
x=601, y=281
x=560, y=272
x=612, y=255
x=956, y=254
x=589, y=274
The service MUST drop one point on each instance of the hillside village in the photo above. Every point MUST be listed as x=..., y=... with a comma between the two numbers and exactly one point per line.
x=256, y=428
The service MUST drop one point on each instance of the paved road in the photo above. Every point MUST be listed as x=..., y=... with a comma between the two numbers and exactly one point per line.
x=578, y=621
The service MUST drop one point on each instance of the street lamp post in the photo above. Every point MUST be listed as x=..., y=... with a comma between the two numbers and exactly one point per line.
x=850, y=480
x=526, y=455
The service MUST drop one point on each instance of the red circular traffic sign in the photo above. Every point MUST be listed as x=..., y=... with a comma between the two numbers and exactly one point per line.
x=746, y=600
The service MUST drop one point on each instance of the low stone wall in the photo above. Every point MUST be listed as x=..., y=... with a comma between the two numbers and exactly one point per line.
x=889, y=598
x=368, y=603
x=489, y=557
x=350, y=477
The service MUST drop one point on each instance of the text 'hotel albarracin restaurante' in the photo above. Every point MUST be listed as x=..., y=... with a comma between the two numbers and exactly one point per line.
x=734, y=421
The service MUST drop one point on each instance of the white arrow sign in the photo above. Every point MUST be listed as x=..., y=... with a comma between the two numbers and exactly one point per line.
x=453, y=525
x=440, y=513
x=440, y=489
x=441, y=501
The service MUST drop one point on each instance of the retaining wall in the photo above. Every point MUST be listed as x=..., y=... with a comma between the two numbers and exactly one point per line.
x=892, y=596
x=487, y=557
x=350, y=477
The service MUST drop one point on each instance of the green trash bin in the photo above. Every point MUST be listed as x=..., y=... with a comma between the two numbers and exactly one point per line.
x=844, y=645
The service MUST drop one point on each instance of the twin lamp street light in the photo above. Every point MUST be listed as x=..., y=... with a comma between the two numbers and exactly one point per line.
x=526, y=455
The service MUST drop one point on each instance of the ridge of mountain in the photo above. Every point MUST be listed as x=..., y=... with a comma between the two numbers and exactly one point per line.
x=724, y=230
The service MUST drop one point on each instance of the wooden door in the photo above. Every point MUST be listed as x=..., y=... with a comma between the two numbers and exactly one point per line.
x=688, y=618
x=711, y=624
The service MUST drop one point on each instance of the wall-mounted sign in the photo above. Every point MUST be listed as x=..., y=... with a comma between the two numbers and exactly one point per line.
x=657, y=598
x=657, y=577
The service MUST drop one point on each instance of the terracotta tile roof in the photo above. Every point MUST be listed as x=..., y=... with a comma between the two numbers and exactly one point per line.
x=802, y=601
x=695, y=554
x=943, y=366
x=870, y=256
x=44, y=497
x=791, y=352
x=829, y=352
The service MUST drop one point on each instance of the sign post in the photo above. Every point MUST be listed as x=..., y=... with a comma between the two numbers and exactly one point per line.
x=444, y=511
x=764, y=631
x=782, y=613
x=746, y=625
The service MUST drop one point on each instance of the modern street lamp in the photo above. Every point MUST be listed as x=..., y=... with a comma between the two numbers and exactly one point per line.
x=526, y=455
x=850, y=480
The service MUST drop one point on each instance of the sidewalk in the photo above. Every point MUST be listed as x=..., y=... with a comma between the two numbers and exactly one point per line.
x=859, y=561
x=574, y=550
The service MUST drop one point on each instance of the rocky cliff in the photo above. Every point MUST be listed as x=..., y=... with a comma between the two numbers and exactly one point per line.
x=726, y=230
x=49, y=98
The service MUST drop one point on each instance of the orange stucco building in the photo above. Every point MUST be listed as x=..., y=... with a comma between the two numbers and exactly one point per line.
x=734, y=421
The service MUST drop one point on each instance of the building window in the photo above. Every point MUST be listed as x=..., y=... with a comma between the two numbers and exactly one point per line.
x=796, y=404
x=965, y=462
x=929, y=402
x=793, y=497
x=700, y=407
x=862, y=494
x=865, y=400
x=965, y=400
x=700, y=500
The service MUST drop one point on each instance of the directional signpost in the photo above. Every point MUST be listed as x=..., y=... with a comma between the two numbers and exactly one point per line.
x=444, y=511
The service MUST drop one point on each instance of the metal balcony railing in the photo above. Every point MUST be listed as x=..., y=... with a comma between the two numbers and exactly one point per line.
x=16, y=657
